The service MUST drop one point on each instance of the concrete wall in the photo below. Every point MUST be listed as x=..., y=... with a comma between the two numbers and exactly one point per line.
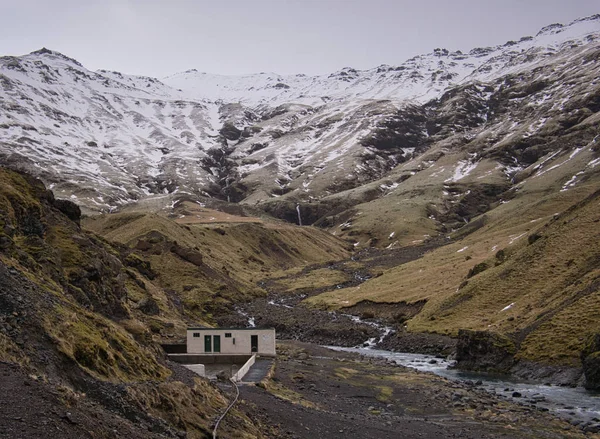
x=197, y=368
x=244, y=369
x=208, y=358
x=239, y=343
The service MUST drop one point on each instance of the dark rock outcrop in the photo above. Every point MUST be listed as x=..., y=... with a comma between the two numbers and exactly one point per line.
x=590, y=358
x=187, y=254
x=141, y=265
x=483, y=350
x=591, y=369
x=70, y=209
x=230, y=132
x=149, y=306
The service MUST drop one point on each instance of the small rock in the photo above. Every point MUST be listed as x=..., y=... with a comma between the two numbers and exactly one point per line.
x=592, y=428
x=69, y=418
x=516, y=395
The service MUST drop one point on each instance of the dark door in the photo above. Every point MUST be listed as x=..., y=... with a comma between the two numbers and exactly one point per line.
x=217, y=343
x=207, y=343
x=254, y=343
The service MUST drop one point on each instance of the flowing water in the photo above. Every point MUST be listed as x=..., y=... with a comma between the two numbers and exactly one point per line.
x=574, y=404
x=567, y=402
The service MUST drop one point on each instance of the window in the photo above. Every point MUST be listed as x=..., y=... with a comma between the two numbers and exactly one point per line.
x=228, y=335
x=196, y=334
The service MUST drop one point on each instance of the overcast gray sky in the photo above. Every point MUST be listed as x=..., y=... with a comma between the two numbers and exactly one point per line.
x=158, y=38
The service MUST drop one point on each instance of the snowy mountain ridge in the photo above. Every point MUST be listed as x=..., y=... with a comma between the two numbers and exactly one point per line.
x=420, y=78
x=107, y=139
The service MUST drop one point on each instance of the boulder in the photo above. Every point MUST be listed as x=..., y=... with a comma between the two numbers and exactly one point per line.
x=484, y=351
x=149, y=306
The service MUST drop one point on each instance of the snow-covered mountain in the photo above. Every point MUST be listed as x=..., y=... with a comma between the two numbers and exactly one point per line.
x=418, y=79
x=106, y=139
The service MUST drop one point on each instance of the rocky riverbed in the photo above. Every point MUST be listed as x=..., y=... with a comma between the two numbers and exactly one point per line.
x=315, y=392
x=298, y=323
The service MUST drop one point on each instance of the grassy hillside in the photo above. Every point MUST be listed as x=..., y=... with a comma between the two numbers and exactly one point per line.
x=210, y=266
x=528, y=268
x=77, y=318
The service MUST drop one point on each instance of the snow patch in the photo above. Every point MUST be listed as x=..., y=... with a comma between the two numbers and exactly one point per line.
x=463, y=169
x=507, y=307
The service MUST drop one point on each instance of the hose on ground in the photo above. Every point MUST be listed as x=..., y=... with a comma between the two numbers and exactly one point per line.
x=237, y=395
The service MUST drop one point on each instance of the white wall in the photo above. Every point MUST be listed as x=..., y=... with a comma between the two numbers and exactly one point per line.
x=238, y=343
x=239, y=375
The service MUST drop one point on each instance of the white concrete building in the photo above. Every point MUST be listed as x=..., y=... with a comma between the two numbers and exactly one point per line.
x=231, y=341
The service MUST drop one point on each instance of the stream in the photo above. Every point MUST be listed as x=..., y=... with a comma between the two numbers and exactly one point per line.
x=575, y=404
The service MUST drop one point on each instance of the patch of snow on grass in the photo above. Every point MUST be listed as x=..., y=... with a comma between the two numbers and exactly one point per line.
x=388, y=187
x=438, y=172
x=507, y=307
x=463, y=169
x=542, y=172
x=569, y=184
x=462, y=249
x=514, y=238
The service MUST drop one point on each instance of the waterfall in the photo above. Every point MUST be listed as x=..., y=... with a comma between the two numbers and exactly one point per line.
x=299, y=216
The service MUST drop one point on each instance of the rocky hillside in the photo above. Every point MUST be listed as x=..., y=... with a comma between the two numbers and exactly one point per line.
x=490, y=156
x=107, y=139
x=81, y=319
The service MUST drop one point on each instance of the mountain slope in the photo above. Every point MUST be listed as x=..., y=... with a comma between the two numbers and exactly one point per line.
x=108, y=139
x=69, y=330
x=82, y=319
x=494, y=152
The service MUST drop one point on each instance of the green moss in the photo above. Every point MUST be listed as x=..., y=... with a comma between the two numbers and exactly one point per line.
x=69, y=252
x=385, y=393
x=102, y=348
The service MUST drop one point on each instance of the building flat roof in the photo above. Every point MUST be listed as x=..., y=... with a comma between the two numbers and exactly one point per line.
x=228, y=329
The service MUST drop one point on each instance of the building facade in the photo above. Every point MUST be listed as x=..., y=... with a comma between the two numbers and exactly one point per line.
x=231, y=341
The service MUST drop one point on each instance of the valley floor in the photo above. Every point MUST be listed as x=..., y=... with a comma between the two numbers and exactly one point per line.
x=318, y=393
